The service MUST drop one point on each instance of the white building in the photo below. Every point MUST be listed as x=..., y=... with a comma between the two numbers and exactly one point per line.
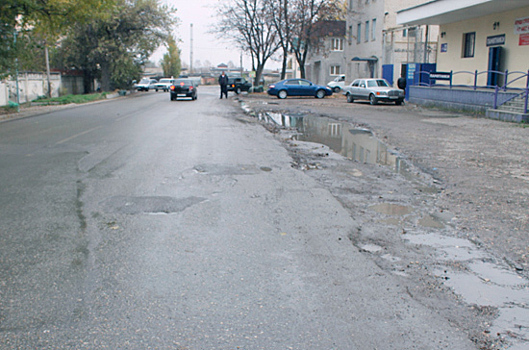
x=378, y=47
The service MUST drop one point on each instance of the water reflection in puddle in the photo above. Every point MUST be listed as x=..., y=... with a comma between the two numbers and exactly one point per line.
x=483, y=282
x=391, y=209
x=343, y=138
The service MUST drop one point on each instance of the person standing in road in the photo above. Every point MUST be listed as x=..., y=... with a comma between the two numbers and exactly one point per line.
x=223, y=82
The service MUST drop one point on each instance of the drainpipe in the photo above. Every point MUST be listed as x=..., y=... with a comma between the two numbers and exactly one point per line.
x=426, y=59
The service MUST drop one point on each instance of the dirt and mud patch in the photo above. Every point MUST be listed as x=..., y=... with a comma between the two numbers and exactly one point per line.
x=440, y=198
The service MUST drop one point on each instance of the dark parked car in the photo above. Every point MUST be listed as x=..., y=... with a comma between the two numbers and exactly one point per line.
x=238, y=85
x=298, y=87
x=184, y=88
x=373, y=90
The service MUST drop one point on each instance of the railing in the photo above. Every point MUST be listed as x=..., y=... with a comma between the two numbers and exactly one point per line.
x=508, y=84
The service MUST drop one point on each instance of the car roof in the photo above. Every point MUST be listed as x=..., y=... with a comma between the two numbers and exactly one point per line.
x=187, y=80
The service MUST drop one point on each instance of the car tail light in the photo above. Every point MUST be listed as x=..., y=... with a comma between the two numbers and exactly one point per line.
x=190, y=88
x=182, y=83
x=172, y=87
x=378, y=93
x=271, y=86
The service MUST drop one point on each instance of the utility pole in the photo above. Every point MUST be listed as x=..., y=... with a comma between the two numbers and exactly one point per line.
x=16, y=72
x=191, y=50
x=241, y=65
x=47, y=68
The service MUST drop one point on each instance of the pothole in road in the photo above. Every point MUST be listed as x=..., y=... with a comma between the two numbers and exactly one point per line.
x=138, y=205
x=220, y=169
x=481, y=280
x=391, y=209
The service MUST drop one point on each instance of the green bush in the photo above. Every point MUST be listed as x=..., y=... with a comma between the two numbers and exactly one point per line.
x=67, y=99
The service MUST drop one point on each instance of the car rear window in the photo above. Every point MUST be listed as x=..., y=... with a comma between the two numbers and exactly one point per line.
x=185, y=81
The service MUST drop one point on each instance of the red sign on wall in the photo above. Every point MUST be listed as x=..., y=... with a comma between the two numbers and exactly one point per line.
x=524, y=39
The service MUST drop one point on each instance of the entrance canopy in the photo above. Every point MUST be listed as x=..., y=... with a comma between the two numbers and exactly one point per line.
x=443, y=12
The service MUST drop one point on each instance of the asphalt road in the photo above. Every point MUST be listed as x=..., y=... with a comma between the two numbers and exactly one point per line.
x=141, y=223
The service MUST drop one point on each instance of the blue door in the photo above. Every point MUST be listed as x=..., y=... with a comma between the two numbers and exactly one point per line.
x=494, y=65
x=387, y=73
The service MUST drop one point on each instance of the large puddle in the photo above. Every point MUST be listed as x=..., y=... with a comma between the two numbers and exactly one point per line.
x=343, y=138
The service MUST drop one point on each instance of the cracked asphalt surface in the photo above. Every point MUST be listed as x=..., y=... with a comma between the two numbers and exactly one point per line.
x=443, y=223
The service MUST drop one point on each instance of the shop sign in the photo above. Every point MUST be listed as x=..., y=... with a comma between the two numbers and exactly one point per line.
x=521, y=25
x=411, y=71
x=496, y=40
x=524, y=39
x=440, y=75
x=444, y=47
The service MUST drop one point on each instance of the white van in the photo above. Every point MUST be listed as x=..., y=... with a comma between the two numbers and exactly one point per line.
x=337, y=84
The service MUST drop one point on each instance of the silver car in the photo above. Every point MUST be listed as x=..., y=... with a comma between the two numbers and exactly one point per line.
x=164, y=84
x=373, y=90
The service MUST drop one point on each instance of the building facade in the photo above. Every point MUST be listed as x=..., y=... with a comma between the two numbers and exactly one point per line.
x=326, y=59
x=478, y=35
x=376, y=46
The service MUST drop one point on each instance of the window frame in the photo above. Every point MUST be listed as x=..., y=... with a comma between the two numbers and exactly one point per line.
x=359, y=33
x=335, y=70
x=336, y=44
x=469, y=45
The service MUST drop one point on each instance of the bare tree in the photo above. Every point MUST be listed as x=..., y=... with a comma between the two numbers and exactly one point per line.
x=303, y=36
x=279, y=13
x=248, y=24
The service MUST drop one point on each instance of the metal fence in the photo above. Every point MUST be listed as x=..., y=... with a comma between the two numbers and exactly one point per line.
x=423, y=78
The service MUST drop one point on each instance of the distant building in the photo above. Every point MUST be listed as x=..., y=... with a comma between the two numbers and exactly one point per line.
x=326, y=59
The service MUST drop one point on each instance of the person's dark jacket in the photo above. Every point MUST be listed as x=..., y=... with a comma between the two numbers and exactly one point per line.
x=223, y=80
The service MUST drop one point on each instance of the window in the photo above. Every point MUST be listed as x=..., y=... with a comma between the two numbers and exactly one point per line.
x=335, y=70
x=366, y=34
x=337, y=44
x=350, y=35
x=405, y=33
x=469, y=40
x=358, y=33
x=374, y=29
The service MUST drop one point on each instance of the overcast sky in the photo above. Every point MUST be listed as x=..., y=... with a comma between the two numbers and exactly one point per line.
x=200, y=13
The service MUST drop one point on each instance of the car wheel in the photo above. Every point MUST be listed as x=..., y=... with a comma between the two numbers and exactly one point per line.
x=238, y=90
x=336, y=89
x=350, y=98
x=398, y=102
x=282, y=94
x=320, y=94
x=372, y=99
x=156, y=90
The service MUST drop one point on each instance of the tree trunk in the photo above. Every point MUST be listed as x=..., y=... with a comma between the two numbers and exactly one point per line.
x=258, y=74
x=284, y=65
x=87, y=81
x=105, y=76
